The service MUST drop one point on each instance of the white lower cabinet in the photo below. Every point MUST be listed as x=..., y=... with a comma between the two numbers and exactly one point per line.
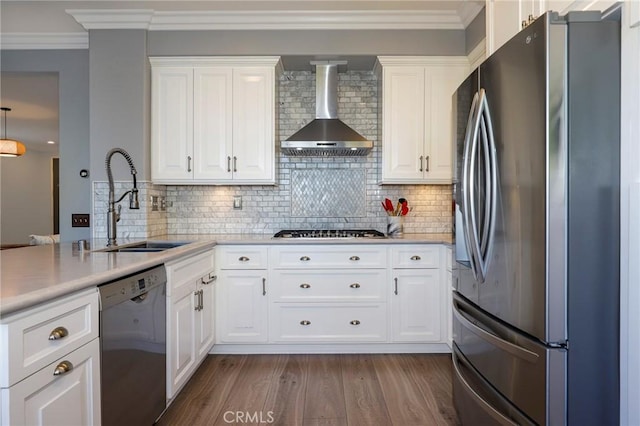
x=190, y=319
x=50, y=363
x=417, y=298
x=291, y=296
x=66, y=398
x=242, y=302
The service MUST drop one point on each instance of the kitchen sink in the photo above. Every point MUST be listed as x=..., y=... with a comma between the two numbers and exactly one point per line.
x=146, y=246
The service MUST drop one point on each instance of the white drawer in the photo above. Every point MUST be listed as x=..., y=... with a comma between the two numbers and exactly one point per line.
x=312, y=256
x=329, y=323
x=415, y=256
x=189, y=269
x=321, y=285
x=242, y=257
x=25, y=336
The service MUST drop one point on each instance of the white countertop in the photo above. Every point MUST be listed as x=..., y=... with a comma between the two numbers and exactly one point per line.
x=36, y=274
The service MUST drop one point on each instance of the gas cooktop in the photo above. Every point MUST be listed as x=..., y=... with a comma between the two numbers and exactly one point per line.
x=329, y=233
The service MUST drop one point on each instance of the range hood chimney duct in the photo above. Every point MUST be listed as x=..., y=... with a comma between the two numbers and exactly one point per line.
x=327, y=135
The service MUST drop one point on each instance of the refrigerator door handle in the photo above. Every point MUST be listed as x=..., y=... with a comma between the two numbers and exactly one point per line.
x=488, y=408
x=469, y=140
x=494, y=340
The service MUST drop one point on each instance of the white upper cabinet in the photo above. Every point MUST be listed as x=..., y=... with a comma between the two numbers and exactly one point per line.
x=213, y=120
x=416, y=117
x=505, y=18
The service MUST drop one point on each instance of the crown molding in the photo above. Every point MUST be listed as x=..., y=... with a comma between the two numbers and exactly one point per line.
x=468, y=13
x=478, y=54
x=44, y=41
x=152, y=20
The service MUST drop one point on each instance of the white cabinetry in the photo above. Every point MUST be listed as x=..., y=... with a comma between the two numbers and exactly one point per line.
x=50, y=370
x=190, y=319
x=417, y=303
x=213, y=120
x=416, y=109
x=328, y=294
x=242, y=294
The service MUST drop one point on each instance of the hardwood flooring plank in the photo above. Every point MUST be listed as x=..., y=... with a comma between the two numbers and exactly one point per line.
x=249, y=392
x=326, y=422
x=404, y=399
x=433, y=372
x=287, y=391
x=364, y=398
x=200, y=401
x=324, y=398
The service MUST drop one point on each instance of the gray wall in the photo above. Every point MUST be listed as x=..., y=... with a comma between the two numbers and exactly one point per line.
x=476, y=31
x=26, y=198
x=120, y=99
x=72, y=67
x=312, y=42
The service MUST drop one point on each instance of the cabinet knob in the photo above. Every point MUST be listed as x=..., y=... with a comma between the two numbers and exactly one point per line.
x=354, y=322
x=305, y=258
x=305, y=322
x=63, y=368
x=355, y=285
x=243, y=259
x=354, y=258
x=305, y=285
x=416, y=257
x=58, y=333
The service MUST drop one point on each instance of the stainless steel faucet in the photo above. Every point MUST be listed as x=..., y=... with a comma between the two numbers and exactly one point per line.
x=112, y=215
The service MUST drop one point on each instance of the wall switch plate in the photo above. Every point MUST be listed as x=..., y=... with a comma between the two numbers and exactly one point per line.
x=79, y=220
x=154, y=203
x=237, y=202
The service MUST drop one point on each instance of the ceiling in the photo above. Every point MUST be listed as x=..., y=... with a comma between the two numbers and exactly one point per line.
x=33, y=99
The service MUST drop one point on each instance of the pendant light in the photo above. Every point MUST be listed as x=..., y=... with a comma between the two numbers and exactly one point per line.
x=10, y=147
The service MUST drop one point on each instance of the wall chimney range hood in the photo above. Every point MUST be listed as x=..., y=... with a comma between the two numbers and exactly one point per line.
x=326, y=135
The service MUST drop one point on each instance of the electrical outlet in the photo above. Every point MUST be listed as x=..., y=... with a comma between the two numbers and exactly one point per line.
x=237, y=202
x=79, y=220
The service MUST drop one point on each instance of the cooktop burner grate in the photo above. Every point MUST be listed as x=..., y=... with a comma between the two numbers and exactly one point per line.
x=330, y=233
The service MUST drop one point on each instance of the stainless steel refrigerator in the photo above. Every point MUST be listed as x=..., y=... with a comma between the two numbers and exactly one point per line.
x=536, y=275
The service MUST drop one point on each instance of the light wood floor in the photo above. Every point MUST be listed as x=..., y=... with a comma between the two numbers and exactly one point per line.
x=310, y=390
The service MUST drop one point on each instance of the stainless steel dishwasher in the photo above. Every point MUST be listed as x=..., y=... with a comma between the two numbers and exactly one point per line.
x=133, y=348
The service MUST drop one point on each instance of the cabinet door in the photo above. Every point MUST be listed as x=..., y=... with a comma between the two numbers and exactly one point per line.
x=212, y=138
x=403, y=114
x=182, y=337
x=253, y=124
x=172, y=124
x=71, y=398
x=415, y=305
x=205, y=334
x=503, y=21
x=441, y=82
x=242, y=306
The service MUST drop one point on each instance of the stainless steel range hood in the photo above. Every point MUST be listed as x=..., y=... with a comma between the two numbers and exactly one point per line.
x=326, y=135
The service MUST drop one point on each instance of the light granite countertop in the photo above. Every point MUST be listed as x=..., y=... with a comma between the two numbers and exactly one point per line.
x=37, y=274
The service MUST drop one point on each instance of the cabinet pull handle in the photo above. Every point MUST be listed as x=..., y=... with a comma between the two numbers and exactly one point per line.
x=201, y=299
x=229, y=164
x=355, y=285
x=305, y=322
x=354, y=258
x=421, y=158
x=427, y=168
x=197, y=296
x=395, y=289
x=264, y=286
x=305, y=285
x=243, y=259
x=235, y=164
x=354, y=322
x=416, y=257
x=58, y=333
x=63, y=368
x=305, y=258
x=189, y=163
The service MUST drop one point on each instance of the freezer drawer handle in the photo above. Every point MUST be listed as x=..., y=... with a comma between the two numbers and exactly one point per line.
x=483, y=404
x=515, y=350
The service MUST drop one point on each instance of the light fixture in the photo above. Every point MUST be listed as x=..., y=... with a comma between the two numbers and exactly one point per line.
x=10, y=147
